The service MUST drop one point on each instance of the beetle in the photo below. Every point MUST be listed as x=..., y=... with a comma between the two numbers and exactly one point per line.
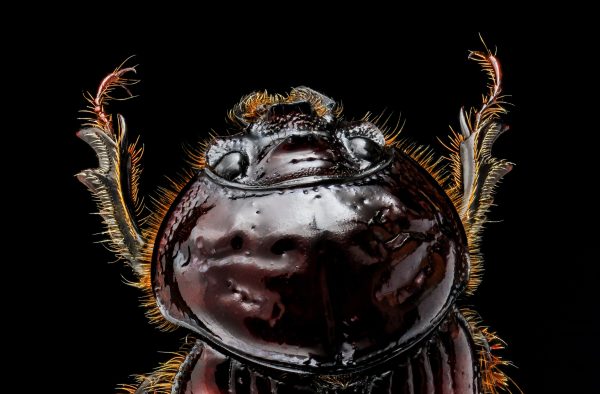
x=310, y=253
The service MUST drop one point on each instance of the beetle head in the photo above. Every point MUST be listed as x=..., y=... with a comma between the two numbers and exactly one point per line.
x=294, y=140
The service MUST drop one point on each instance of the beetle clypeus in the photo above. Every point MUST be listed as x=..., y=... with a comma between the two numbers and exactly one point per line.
x=309, y=253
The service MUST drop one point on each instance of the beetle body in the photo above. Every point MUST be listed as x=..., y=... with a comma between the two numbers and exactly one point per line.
x=309, y=253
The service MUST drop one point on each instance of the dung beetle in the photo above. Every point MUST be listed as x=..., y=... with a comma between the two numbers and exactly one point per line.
x=307, y=253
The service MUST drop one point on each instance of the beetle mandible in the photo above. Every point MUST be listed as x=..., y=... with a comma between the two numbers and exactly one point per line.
x=310, y=253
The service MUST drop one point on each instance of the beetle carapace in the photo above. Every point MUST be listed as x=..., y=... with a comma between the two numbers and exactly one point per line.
x=310, y=253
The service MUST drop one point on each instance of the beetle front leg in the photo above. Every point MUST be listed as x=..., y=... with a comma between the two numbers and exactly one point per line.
x=114, y=182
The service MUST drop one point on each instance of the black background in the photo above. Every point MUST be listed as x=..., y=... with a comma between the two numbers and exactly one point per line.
x=540, y=267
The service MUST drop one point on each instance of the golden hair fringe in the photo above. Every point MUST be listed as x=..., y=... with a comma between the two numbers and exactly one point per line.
x=160, y=204
x=488, y=344
x=254, y=105
x=161, y=380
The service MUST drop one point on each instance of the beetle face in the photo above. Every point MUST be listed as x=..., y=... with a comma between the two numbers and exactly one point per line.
x=308, y=244
x=291, y=145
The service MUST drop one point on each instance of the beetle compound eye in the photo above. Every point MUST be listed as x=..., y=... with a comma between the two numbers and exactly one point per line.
x=232, y=165
x=364, y=149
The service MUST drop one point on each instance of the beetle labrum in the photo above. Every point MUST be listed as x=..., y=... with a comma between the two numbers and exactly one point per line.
x=309, y=253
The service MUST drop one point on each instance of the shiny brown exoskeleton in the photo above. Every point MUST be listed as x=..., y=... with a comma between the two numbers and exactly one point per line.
x=309, y=253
